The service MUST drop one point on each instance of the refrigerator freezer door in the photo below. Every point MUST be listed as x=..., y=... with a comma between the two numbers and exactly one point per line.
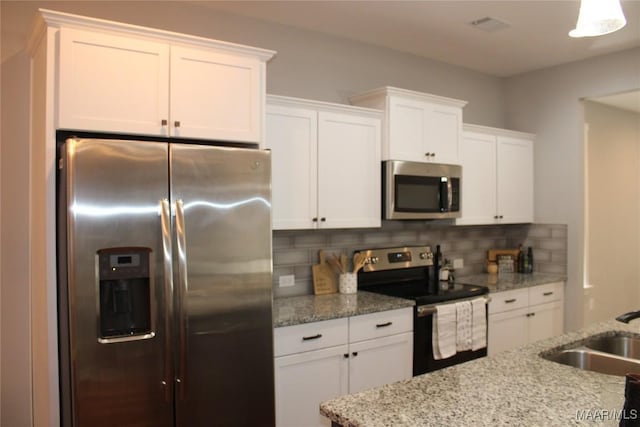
x=116, y=290
x=222, y=277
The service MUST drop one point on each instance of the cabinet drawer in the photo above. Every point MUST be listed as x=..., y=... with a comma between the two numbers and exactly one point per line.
x=508, y=300
x=310, y=336
x=546, y=293
x=384, y=323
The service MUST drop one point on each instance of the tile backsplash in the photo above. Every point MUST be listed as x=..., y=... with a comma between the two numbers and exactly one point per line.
x=294, y=252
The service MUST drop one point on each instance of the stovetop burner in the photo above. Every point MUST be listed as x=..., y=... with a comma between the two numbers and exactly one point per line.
x=422, y=295
x=408, y=272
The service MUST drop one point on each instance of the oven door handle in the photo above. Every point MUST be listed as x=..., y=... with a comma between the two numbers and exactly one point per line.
x=428, y=310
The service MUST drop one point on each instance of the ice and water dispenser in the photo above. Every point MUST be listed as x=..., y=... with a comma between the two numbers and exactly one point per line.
x=124, y=294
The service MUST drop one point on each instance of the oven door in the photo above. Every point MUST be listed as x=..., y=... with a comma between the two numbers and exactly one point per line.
x=423, y=360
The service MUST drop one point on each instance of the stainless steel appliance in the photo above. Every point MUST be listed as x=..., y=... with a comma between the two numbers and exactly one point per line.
x=413, y=190
x=408, y=272
x=165, y=284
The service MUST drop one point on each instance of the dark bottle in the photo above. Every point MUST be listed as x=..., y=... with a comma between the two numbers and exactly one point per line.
x=530, y=260
x=521, y=256
x=437, y=264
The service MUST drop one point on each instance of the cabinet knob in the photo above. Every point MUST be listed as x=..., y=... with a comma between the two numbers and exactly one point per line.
x=176, y=123
x=314, y=219
x=427, y=154
x=501, y=216
x=355, y=353
x=164, y=122
x=433, y=154
x=323, y=219
x=495, y=217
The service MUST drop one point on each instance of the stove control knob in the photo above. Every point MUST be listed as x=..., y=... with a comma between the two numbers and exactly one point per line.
x=423, y=255
x=374, y=260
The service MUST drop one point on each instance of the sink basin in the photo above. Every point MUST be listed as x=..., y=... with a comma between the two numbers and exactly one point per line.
x=619, y=345
x=593, y=360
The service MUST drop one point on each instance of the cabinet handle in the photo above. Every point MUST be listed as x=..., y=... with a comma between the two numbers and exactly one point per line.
x=495, y=217
x=354, y=354
x=546, y=294
x=176, y=123
x=433, y=154
x=313, y=337
x=384, y=325
x=314, y=219
x=427, y=154
x=509, y=301
x=323, y=219
x=164, y=122
x=501, y=216
x=530, y=314
x=346, y=355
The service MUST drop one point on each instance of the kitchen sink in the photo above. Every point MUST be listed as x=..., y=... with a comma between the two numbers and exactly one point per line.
x=619, y=345
x=612, y=354
x=592, y=360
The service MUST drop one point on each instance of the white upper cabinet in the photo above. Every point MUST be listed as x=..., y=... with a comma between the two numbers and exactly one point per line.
x=417, y=126
x=126, y=79
x=216, y=93
x=497, y=176
x=325, y=164
x=112, y=83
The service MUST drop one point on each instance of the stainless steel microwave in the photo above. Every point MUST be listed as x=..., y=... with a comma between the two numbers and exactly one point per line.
x=413, y=190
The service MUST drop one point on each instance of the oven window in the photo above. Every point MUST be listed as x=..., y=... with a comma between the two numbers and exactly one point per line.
x=417, y=193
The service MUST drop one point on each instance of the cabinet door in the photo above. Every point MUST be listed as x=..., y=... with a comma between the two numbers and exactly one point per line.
x=111, y=83
x=380, y=361
x=507, y=330
x=515, y=180
x=348, y=170
x=292, y=136
x=407, y=129
x=478, y=160
x=443, y=133
x=304, y=380
x=545, y=321
x=216, y=95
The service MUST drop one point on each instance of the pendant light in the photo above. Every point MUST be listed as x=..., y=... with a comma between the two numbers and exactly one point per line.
x=598, y=17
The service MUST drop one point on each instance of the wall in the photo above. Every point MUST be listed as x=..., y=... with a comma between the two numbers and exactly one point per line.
x=294, y=252
x=547, y=103
x=613, y=212
x=15, y=351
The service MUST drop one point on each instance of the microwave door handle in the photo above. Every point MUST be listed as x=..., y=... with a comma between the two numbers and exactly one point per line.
x=449, y=195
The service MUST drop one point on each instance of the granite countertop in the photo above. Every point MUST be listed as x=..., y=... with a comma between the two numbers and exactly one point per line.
x=515, y=387
x=509, y=281
x=313, y=308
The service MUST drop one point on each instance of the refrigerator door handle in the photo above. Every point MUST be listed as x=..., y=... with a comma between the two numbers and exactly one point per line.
x=182, y=289
x=165, y=222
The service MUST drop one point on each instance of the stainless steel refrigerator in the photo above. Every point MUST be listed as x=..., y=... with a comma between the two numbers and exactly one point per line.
x=164, y=284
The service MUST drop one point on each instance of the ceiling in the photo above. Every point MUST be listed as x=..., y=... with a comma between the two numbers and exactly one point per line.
x=535, y=36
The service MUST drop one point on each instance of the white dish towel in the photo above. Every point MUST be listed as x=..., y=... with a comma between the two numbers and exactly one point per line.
x=444, y=331
x=479, y=328
x=463, y=326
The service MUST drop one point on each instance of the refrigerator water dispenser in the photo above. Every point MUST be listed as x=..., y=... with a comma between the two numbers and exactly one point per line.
x=124, y=293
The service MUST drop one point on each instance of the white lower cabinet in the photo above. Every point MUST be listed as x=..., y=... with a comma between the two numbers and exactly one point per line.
x=524, y=316
x=303, y=380
x=318, y=361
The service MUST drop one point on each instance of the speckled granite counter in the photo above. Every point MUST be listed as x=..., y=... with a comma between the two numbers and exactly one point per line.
x=515, y=388
x=506, y=282
x=313, y=308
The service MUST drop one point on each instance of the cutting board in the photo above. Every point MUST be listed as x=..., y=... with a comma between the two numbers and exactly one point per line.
x=324, y=278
